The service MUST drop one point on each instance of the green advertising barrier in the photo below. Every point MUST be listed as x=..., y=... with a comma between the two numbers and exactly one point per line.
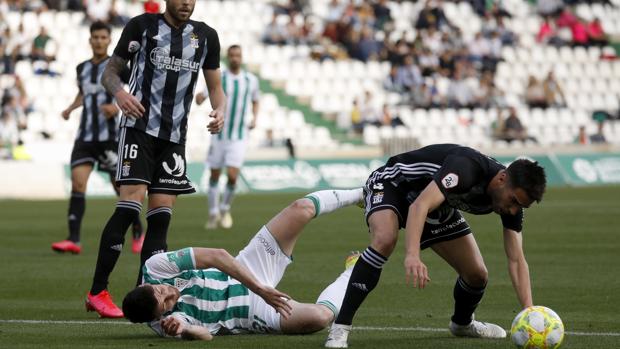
x=310, y=175
x=590, y=169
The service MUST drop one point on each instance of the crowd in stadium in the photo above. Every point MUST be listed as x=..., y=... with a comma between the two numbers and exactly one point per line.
x=438, y=54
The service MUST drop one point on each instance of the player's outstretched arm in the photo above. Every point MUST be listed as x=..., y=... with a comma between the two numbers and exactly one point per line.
x=518, y=267
x=222, y=260
x=77, y=102
x=213, y=77
x=430, y=198
x=174, y=327
x=111, y=80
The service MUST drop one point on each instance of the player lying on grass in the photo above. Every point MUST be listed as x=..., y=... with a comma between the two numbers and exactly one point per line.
x=195, y=293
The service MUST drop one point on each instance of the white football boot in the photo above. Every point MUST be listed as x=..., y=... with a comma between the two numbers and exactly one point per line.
x=338, y=336
x=226, y=221
x=477, y=329
x=213, y=222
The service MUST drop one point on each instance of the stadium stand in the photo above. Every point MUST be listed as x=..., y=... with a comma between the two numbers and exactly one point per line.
x=589, y=77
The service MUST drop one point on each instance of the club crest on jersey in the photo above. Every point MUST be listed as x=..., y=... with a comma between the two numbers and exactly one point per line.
x=125, y=169
x=180, y=283
x=377, y=198
x=193, y=40
x=451, y=180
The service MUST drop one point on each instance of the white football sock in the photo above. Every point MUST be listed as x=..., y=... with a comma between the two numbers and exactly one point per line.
x=213, y=197
x=326, y=201
x=333, y=295
x=227, y=197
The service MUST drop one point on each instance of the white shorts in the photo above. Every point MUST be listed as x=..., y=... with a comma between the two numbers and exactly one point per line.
x=264, y=258
x=226, y=153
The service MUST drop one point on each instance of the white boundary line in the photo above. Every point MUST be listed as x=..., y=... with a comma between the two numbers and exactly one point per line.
x=356, y=328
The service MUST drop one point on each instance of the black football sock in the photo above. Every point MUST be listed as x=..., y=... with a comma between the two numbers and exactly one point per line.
x=77, y=206
x=364, y=278
x=136, y=227
x=112, y=240
x=466, y=299
x=158, y=220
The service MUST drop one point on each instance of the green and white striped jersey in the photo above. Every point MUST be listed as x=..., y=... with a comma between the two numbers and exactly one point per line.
x=209, y=297
x=241, y=90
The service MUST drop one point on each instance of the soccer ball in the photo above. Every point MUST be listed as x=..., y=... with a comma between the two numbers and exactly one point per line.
x=537, y=327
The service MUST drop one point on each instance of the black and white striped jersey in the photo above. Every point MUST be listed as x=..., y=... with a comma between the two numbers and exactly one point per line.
x=461, y=173
x=165, y=65
x=94, y=126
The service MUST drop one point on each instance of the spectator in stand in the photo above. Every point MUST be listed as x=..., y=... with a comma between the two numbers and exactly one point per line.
x=459, y=94
x=368, y=111
x=388, y=118
x=39, y=46
x=548, y=34
x=513, y=129
x=19, y=44
x=599, y=136
x=151, y=6
x=382, y=14
x=554, y=95
x=579, y=33
x=596, y=34
x=368, y=48
x=425, y=97
x=535, y=94
x=409, y=75
x=428, y=62
x=356, y=118
x=391, y=82
x=566, y=18
x=478, y=48
x=432, y=15
x=334, y=11
x=582, y=136
x=274, y=33
x=292, y=32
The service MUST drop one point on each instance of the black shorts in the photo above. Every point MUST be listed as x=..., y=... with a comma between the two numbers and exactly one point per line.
x=160, y=164
x=102, y=154
x=443, y=224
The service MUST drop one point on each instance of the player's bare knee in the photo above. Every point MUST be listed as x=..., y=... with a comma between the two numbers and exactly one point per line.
x=320, y=319
x=384, y=242
x=478, y=277
x=326, y=317
x=303, y=207
x=78, y=186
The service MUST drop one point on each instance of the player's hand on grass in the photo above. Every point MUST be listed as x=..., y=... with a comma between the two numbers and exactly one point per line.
x=129, y=104
x=109, y=110
x=277, y=299
x=415, y=271
x=172, y=326
x=215, y=125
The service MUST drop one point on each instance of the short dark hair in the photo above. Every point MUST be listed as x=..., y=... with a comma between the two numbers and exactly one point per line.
x=529, y=176
x=232, y=47
x=140, y=304
x=99, y=25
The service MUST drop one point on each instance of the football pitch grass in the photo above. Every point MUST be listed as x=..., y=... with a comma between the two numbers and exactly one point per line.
x=571, y=243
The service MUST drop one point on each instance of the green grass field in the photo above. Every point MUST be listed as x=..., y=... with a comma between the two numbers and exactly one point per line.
x=571, y=243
